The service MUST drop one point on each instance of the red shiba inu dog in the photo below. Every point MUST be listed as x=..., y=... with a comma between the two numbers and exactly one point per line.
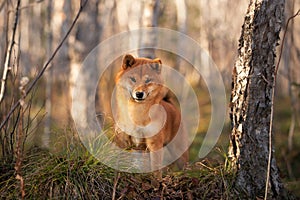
x=146, y=119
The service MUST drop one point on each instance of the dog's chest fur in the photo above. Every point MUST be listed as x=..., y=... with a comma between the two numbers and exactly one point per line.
x=138, y=142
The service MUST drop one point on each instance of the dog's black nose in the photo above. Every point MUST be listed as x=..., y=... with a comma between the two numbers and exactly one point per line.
x=139, y=95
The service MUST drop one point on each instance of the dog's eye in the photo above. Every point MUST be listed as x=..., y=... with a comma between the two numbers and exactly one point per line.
x=132, y=79
x=148, y=80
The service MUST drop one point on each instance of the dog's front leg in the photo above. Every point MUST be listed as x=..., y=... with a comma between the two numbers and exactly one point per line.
x=155, y=146
x=156, y=159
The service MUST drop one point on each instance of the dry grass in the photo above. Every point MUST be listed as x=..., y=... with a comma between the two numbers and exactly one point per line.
x=75, y=175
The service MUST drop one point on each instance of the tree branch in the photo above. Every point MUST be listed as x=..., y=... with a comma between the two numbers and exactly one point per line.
x=46, y=65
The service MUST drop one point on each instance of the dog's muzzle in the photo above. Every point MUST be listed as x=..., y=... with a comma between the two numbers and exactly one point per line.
x=139, y=96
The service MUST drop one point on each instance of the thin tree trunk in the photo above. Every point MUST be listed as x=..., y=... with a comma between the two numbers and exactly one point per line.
x=48, y=76
x=108, y=10
x=149, y=19
x=291, y=77
x=8, y=66
x=181, y=15
x=251, y=99
x=85, y=40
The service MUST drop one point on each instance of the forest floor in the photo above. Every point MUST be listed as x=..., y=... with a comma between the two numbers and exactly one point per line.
x=74, y=176
x=49, y=176
x=73, y=173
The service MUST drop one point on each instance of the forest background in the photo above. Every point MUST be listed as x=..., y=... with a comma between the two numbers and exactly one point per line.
x=215, y=25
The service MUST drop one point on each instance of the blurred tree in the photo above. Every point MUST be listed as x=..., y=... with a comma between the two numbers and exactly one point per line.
x=48, y=76
x=252, y=100
x=150, y=14
x=57, y=16
x=9, y=68
x=109, y=20
x=291, y=76
x=86, y=37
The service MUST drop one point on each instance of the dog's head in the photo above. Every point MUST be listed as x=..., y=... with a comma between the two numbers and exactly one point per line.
x=141, y=77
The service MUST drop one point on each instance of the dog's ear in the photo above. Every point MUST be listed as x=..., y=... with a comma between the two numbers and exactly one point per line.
x=128, y=61
x=157, y=65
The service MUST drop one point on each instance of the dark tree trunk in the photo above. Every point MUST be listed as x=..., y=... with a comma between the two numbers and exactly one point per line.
x=251, y=99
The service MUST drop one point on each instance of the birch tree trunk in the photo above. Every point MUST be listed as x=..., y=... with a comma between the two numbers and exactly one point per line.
x=251, y=99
